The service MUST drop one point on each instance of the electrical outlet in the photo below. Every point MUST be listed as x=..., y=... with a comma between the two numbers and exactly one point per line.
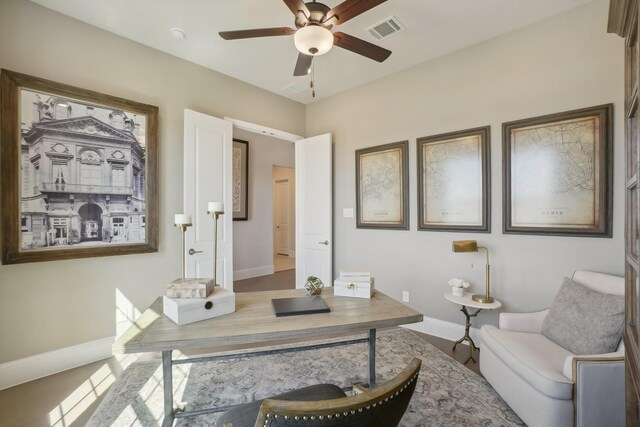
x=405, y=296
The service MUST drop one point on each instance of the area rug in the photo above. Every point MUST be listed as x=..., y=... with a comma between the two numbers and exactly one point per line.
x=447, y=393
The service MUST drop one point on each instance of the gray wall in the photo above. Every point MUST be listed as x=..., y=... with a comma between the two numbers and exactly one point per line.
x=253, y=239
x=51, y=305
x=564, y=63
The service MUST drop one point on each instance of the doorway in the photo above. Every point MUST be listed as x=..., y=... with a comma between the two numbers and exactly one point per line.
x=264, y=241
x=284, y=239
x=91, y=220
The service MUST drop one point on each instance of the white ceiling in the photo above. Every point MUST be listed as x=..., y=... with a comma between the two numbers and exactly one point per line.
x=433, y=28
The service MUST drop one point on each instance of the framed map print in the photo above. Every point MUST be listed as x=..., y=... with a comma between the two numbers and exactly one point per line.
x=240, y=172
x=79, y=172
x=382, y=182
x=453, y=181
x=558, y=173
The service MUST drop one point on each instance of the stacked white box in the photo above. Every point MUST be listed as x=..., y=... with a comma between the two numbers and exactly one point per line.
x=190, y=288
x=353, y=283
x=188, y=310
x=352, y=288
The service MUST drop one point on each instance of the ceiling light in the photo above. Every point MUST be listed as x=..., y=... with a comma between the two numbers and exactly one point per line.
x=313, y=40
x=177, y=33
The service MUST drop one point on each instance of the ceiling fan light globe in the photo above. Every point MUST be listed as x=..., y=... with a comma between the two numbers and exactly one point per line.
x=313, y=40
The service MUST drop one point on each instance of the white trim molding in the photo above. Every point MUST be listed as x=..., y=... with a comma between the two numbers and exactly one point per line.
x=248, y=273
x=49, y=363
x=447, y=330
x=256, y=128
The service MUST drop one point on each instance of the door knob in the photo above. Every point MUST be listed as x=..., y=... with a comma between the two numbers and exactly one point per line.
x=326, y=242
x=192, y=252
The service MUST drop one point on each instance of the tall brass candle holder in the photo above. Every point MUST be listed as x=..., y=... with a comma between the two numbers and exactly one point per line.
x=215, y=209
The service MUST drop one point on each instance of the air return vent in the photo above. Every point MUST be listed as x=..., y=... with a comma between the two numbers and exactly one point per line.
x=295, y=88
x=386, y=28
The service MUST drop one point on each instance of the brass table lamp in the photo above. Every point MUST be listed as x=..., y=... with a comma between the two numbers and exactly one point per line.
x=472, y=246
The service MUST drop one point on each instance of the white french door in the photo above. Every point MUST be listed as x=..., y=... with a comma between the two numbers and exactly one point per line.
x=314, y=210
x=208, y=144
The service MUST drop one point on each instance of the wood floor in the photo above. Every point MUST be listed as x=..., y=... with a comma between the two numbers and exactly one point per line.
x=69, y=398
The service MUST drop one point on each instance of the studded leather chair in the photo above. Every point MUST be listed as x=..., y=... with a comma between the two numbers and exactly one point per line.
x=327, y=405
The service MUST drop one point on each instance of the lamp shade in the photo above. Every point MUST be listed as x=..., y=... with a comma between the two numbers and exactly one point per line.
x=313, y=40
x=465, y=246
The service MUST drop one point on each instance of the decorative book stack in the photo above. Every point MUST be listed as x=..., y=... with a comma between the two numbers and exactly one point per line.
x=353, y=283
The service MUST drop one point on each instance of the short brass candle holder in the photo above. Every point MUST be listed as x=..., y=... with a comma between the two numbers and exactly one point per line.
x=215, y=214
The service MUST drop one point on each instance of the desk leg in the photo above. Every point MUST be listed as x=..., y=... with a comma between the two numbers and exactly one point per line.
x=372, y=358
x=467, y=337
x=167, y=379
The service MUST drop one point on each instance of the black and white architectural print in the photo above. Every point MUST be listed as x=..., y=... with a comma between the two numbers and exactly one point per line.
x=82, y=173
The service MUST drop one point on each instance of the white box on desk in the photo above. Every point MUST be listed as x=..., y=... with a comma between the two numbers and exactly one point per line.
x=349, y=288
x=188, y=310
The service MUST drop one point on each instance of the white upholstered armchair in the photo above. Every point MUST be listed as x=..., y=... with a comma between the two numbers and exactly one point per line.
x=546, y=384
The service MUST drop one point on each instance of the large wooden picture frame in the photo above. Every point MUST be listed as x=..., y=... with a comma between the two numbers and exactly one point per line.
x=240, y=180
x=454, y=181
x=79, y=172
x=558, y=173
x=382, y=185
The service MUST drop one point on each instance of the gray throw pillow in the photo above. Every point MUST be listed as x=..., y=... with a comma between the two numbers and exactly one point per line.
x=584, y=321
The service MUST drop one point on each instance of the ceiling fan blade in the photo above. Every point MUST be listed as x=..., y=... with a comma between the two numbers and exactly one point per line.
x=297, y=5
x=256, y=32
x=350, y=9
x=302, y=65
x=360, y=47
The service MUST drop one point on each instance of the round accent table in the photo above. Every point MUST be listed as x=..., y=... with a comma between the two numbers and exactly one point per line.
x=466, y=301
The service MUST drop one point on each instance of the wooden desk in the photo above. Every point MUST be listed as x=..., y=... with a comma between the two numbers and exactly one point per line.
x=254, y=322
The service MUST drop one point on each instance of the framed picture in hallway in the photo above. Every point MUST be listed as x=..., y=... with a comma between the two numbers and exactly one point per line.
x=240, y=193
x=558, y=173
x=454, y=181
x=79, y=172
x=382, y=183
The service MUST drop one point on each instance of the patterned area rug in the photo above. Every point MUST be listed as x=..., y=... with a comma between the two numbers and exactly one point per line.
x=447, y=393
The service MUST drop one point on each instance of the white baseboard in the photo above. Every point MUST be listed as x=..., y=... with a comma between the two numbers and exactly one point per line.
x=49, y=363
x=248, y=273
x=447, y=330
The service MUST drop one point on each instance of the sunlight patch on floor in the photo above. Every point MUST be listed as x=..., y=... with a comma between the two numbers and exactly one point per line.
x=82, y=397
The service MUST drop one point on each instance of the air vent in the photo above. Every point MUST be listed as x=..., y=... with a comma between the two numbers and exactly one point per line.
x=295, y=88
x=386, y=28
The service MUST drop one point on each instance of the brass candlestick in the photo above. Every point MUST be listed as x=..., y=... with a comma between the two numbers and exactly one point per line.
x=183, y=227
x=215, y=214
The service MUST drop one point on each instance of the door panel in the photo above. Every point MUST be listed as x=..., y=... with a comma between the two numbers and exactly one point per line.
x=208, y=178
x=314, y=210
x=282, y=217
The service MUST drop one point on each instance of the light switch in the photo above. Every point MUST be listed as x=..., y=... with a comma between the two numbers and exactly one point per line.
x=347, y=212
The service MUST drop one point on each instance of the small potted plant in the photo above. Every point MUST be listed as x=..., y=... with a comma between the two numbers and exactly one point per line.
x=458, y=286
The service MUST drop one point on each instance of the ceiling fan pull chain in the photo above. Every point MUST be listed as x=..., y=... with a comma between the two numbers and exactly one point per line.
x=313, y=76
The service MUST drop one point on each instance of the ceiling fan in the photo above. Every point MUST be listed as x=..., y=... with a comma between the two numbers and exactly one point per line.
x=312, y=35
